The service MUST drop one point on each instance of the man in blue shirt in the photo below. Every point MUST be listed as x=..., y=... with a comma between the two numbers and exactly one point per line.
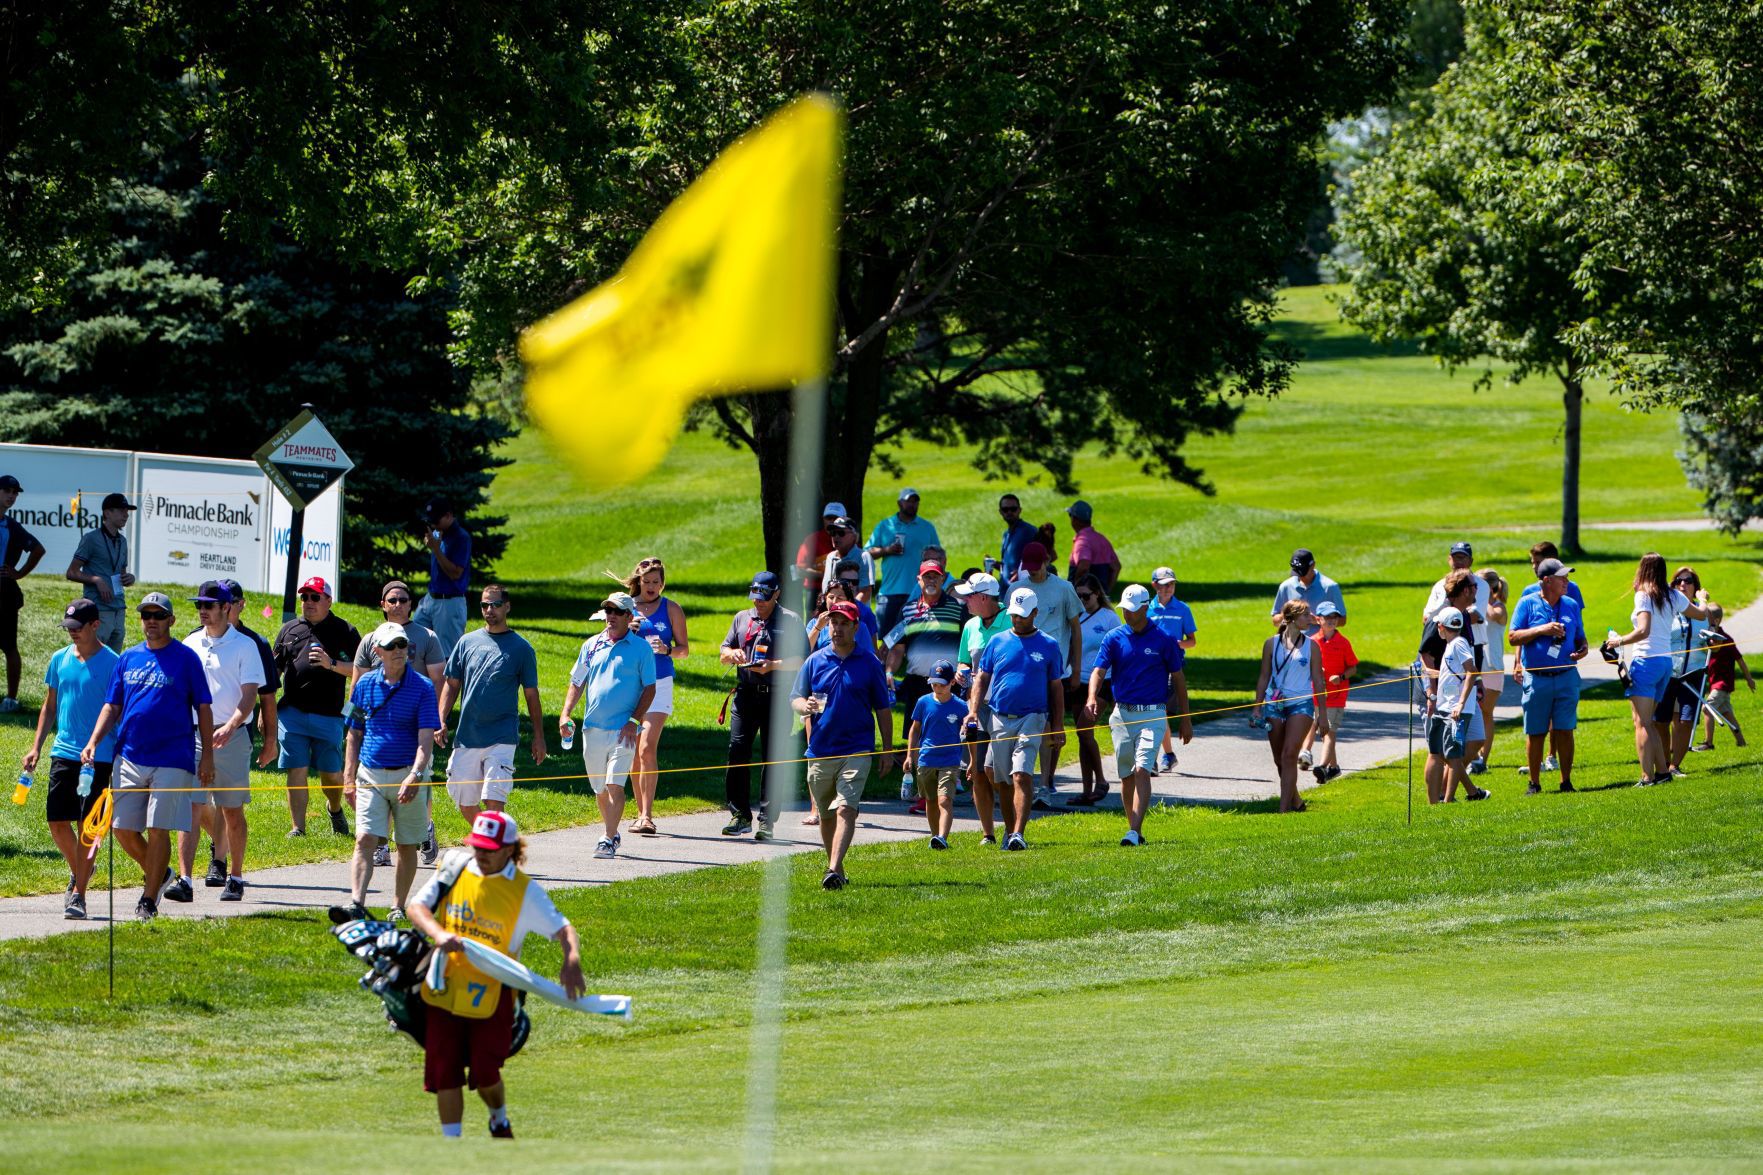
x=1548, y=630
x=842, y=693
x=449, y=545
x=899, y=541
x=1017, y=535
x=158, y=702
x=1310, y=585
x=1019, y=677
x=1177, y=619
x=386, y=758
x=75, y=684
x=1141, y=659
x=616, y=669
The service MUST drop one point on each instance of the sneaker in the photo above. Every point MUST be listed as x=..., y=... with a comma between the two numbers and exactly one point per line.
x=430, y=850
x=1321, y=774
x=382, y=857
x=1478, y=767
x=917, y=808
x=617, y=841
x=1646, y=781
x=1565, y=786
x=68, y=892
x=8, y=705
x=605, y=850
x=988, y=839
x=234, y=891
x=1167, y=762
x=1678, y=773
x=178, y=891
x=1334, y=772
x=1478, y=793
x=75, y=910
x=506, y=1130
x=146, y=910
x=1131, y=839
x=938, y=843
x=165, y=883
x=295, y=832
x=359, y=912
x=395, y=916
x=1535, y=789
x=738, y=826
x=765, y=831
x=1701, y=746
x=1305, y=762
x=339, y=825
x=1014, y=843
x=1551, y=764
x=216, y=874
x=833, y=880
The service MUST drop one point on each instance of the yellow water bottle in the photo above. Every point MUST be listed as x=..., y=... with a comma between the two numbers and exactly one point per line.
x=23, y=789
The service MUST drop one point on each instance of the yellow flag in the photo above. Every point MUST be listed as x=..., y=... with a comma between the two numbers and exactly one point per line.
x=731, y=290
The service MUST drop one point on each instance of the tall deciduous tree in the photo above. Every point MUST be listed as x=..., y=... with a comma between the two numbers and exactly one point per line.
x=1461, y=249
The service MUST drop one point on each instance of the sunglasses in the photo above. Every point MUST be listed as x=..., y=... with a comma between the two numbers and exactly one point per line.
x=488, y=604
x=205, y=605
x=400, y=643
x=310, y=597
x=1086, y=595
x=1010, y=509
x=156, y=615
x=396, y=600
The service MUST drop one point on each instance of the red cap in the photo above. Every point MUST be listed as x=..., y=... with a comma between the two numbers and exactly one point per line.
x=843, y=608
x=316, y=584
x=492, y=831
x=930, y=565
x=1034, y=555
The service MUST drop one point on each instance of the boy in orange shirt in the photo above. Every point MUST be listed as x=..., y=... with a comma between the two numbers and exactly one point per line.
x=1338, y=663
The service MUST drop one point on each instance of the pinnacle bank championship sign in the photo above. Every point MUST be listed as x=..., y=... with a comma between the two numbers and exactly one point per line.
x=196, y=518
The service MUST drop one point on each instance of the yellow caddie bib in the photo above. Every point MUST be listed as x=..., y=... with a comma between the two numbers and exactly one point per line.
x=483, y=909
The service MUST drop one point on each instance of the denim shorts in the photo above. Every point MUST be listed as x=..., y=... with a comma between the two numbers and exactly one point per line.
x=1648, y=677
x=310, y=740
x=1289, y=708
x=1550, y=700
x=1451, y=740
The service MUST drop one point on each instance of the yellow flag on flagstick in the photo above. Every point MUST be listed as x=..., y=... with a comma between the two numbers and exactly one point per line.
x=731, y=290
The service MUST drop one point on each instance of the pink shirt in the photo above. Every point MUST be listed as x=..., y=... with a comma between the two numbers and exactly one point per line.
x=1090, y=546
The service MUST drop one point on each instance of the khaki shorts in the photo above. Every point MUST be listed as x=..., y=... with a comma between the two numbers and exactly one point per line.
x=476, y=775
x=152, y=797
x=605, y=759
x=1016, y=742
x=378, y=812
x=1138, y=733
x=838, y=783
x=232, y=773
x=1328, y=719
x=937, y=782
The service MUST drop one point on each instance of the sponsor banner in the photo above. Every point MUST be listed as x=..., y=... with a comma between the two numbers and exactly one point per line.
x=198, y=520
x=51, y=476
x=324, y=531
x=302, y=459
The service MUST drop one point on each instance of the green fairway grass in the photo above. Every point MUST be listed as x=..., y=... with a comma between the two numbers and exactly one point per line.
x=1560, y=979
x=1375, y=459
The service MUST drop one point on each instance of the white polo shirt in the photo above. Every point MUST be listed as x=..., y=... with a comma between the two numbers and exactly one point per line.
x=229, y=661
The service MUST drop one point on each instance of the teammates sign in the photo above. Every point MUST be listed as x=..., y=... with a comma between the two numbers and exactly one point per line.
x=303, y=459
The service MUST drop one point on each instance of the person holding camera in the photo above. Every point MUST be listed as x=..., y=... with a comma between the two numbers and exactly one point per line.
x=754, y=645
x=449, y=546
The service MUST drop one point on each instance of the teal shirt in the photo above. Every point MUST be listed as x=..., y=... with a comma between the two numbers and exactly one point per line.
x=899, y=573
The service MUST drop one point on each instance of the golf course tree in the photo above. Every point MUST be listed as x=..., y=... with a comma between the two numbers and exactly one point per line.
x=1723, y=459
x=179, y=338
x=1459, y=243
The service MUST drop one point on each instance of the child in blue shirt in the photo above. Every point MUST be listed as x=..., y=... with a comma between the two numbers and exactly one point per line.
x=934, y=751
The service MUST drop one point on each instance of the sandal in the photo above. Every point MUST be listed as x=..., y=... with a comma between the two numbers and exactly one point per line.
x=812, y=819
x=645, y=827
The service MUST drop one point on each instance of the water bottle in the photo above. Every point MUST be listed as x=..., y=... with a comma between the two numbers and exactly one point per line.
x=890, y=693
x=568, y=733
x=88, y=779
x=23, y=789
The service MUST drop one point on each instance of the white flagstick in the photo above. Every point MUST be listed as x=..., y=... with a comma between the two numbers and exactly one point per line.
x=764, y=1049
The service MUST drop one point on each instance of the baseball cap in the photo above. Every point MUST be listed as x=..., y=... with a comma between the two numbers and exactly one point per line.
x=930, y=565
x=765, y=586
x=1462, y=548
x=942, y=671
x=1136, y=598
x=908, y=492
x=1163, y=575
x=842, y=523
x=155, y=600
x=212, y=592
x=1080, y=510
x=116, y=502
x=1034, y=555
x=979, y=584
x=79, y=614
x=1449, y=618
x=620, y=601
x=316, y=584
x=843, y=608
x=1302, y=558
x=1550, y=567
x=233, y=589
x=1023, y=602
x=389, y=631
x=1327, y=608
x=437, y=507
x=492, y=831
x=393, y=584
x=9, y=482
x=834, y=510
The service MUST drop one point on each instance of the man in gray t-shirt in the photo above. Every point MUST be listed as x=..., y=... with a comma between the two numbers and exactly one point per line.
x=101, y=563
x=426, y=656
x=487, y=673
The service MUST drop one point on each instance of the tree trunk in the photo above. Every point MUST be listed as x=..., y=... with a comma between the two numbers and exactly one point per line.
x=770, y=415
x=1573, y=399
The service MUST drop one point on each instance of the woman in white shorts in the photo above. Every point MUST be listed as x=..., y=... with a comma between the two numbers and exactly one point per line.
x=662, y=623
x=1493, y=670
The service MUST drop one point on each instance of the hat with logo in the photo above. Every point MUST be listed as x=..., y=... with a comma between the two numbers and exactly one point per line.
x=765, y=586
x=1034, y=556
x=116, y=502
x=316, y=584
x=834, y=510
x=387, y=632
x=841, y=523
x=1080, y=511
x=1328, y=608
x=212, y=592
x=943, y=671
x=908, y=492
x=843, y=608
x=436, y=508
x=979, y=584
x=1550, y=567
x=1023, y=602
x=9, y=482
x=155, y=600
x=620, y=602
x=930, y=565
x=79, y=614
x=1462, y=548
x=233, y=589
x=1163, y=575
x=1136, y=598
x=492, y=831
x=1302, y=559
x=1449, y=618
